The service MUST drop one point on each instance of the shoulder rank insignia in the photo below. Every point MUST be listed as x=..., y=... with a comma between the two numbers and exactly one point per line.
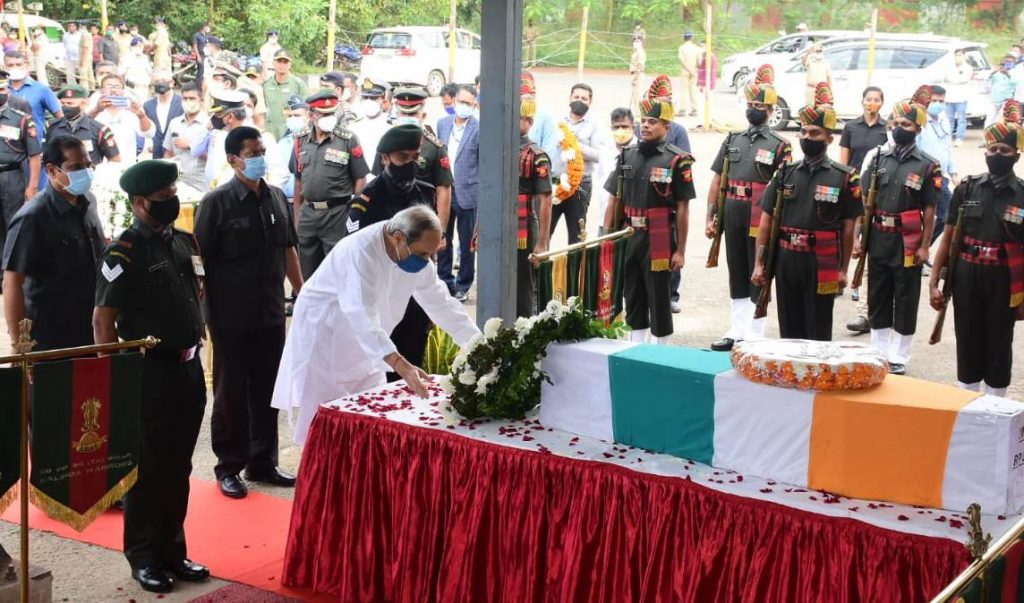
x=429, y=135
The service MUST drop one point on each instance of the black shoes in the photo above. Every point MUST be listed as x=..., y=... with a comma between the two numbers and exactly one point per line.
x=153, y=579
x=859, y=325
x=232, y=487
x=275, y=477
x=723, y=345
x=896, y=368
x=189, y=572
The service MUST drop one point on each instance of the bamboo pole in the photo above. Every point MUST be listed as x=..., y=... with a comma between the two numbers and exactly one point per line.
x=707, y=68
x=547, y=255
x=25, y=358
x=453, y=15
x=104, y=19
x=583, y=44
x=871, y=45
x=332, y=11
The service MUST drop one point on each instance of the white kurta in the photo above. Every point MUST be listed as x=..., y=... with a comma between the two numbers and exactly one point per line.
x=340, y=331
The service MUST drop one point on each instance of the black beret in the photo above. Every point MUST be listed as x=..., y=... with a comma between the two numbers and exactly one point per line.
x=406, y=137
x=148, y=176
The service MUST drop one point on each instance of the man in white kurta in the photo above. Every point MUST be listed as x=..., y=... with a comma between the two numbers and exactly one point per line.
x=339, y=341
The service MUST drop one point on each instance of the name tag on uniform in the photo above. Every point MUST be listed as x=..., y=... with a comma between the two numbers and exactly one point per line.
x=88, y=145
x=661, y=175
x=788, y=191
x=336, y=156
x=1013, y=215
x=764, y=156
x=826, y=194
x=913, y=181
x=159, y=266
x=10, y=132
x=197, y=266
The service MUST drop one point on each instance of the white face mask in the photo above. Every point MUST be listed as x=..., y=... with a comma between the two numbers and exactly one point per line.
x=346, y=94
x=17, y=74
x=399, y=121
x=371, y=108
x=463, y=111
x=295, y=124
x=327, y=123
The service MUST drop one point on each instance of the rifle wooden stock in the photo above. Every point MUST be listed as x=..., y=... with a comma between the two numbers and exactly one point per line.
x=761, y=310
x=947, y=283
x=865, y=225
x=716, y=242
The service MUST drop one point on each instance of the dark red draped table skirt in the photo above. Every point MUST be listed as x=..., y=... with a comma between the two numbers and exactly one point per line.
x=387, y=511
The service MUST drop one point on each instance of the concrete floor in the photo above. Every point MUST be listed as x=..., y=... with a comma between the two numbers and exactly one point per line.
x=88, y=574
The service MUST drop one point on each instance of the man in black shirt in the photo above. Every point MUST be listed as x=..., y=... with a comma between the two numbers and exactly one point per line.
x=51, y=252
x=248, y=239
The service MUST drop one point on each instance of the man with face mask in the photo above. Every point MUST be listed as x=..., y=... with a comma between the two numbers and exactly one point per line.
x=278, y=88
x=50, y=253
x=622, y=124
x=267, y=51
x=160, y=45
x=653, y=180
x=754, y=156
x=162, y=108
x=936, y=140
x=909, y=189
x=988, y=288
x=226, y=114
x=373, y=110
x=821, y=203
x=98, y=139
x=338, y=343
x=247, y=239
x=109, y=50
x=591, y=139
x=18, y=144
x=296, y=118
x=150, y=284
x=184, y=135
x=123, y=37
x=329, y=167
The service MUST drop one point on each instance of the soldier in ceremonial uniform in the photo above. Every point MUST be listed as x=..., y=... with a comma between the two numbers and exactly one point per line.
x=149, y=283
x=821, y=203
x=18, y=144
x=652, y=180
x=534, y=193
x=329, y=168
x=98, y=139
x=373, y=114
x=434, y=166
x=909, y=188
x=754, y=156
x=988, y=282
x=397, y=188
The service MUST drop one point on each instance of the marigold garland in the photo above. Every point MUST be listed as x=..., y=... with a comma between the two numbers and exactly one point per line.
x=574, y=168
x=807, y=365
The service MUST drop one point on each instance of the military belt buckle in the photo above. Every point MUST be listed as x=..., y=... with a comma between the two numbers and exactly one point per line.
x=798, y=239
x=320, y=204
x=638, y=221
x=987, y=253
x=887, y=221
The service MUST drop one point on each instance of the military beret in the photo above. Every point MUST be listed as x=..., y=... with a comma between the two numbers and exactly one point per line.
x=912, y=111
x=73, y=91
x=372, y=89
x=410, y=100
x=295, y=102
x=823, y=116
x=1006, y=133
x=661, y=87
x=657, y=109
x=333, y=77
x=282, y=55
x=761, y=93
x=148, y=176
x=228, y=99
x=406, y=137
x=323, y=101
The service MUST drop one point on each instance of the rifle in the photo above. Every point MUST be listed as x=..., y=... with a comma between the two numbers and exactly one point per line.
x=716, y=242
x=769, y=265
x=620, y=208
x=865, y=224
x=947, y=284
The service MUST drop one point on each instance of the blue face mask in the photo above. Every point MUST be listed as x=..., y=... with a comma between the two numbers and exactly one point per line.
x=935, y=108
x=255, y=167
x=412, y=263
x=79, y=181
x=449, y=110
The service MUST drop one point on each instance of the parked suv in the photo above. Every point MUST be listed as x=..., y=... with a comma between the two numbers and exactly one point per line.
x=419, y=56
x=738, y=69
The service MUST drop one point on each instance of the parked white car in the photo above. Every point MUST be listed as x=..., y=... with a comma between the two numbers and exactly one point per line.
x=419, y=56
x=738, y=69
x=900, y=67
x=54, y=34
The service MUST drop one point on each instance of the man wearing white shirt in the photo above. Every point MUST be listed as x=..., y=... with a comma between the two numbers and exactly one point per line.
x=184, y=135
x=591, y=138
x=958, y=78
x=124, y=116
x=72, y=43
x=339, y=341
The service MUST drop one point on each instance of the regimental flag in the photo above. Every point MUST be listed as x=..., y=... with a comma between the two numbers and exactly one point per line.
x=573, y=276
x=542, y=282
x=559, y=278
x=603, y=277
x=85, y=435
x=10, y=434
x=1000, y=582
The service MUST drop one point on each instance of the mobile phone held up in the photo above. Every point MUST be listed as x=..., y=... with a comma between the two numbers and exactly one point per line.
x=119, y=101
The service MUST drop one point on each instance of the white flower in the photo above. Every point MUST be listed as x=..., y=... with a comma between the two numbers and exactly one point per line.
x=572, y=301
x=486, y=380
x=474, y=341
x=553, y=306
x=449, y=414
x=446, y=384
x=467, y=377
x=459, y=361
x=491, y=327
x=523, y=324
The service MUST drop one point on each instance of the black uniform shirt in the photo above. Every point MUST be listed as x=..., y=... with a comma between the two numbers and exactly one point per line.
x=535, y=178
x=433, y=166
x=754, y=154
x=380, y=200
x=56, y=246
x=18, y=139
x=914, y=183
x=329, y=168
x=816, y=197
x=151, y=279
x=98, y=139
x=660, y=179
x=243, y=237
x=860, y=138
x=992, y=213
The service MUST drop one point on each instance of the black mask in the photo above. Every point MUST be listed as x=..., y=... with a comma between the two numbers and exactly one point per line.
x=72, y=113
x=902, y=137
x=161, y=88
x=756, y=117
x=579, y=108
x=403, y=175
x=217, y=122
x=164, y=212
x=999, y=164
x=812, y=148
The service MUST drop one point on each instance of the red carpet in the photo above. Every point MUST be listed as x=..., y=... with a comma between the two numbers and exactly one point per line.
x=239, y=540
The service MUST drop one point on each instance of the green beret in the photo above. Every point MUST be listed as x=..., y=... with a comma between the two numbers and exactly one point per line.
x=148, y=176
x=406, y=137
x=73, y=91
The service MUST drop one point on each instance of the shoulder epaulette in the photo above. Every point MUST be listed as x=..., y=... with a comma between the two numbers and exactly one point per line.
x=777, y=136
x=846, y=169
x=430, y=136
x=342, y=132
x=671, y=148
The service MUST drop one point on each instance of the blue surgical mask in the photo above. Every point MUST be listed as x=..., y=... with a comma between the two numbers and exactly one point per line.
x=936, y=108
x=463, y=111
x=449, y=110
x=79, y=181
x=401, y=121
x=255, y=167
x=412, y=263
